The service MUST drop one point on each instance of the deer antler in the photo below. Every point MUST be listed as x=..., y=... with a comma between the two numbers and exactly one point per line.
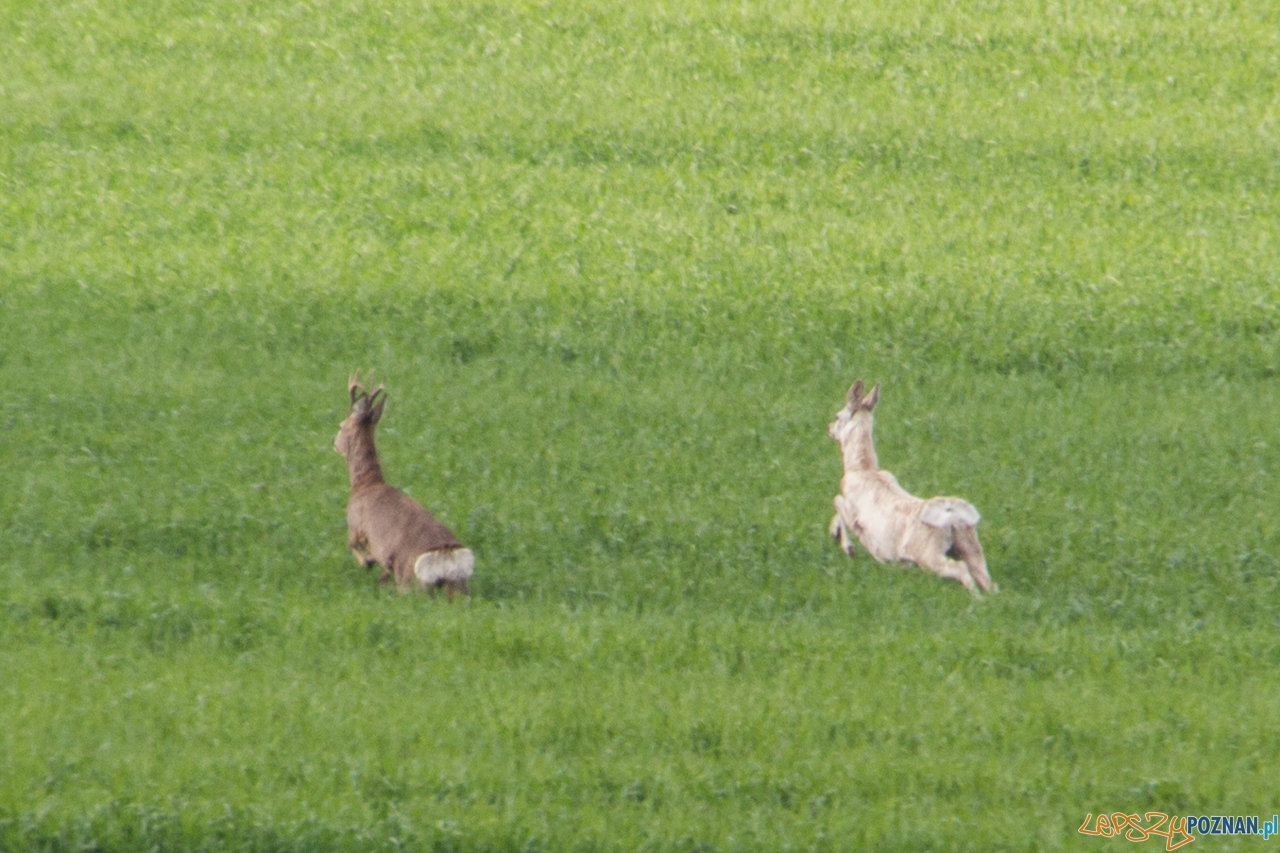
x=353, y=387
x=377, y=401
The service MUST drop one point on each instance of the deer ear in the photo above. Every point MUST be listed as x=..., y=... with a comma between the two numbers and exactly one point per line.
x=855, y=394
x=375, y=414
x=353, y=387
x=869, y=402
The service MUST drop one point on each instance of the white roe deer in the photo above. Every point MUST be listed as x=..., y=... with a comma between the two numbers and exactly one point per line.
x=387, y=527
x=938, y=534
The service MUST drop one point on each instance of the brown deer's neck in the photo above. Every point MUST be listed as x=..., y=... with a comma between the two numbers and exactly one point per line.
x=363, y=464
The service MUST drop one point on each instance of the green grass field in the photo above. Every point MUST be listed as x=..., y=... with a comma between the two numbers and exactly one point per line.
x=617, y=266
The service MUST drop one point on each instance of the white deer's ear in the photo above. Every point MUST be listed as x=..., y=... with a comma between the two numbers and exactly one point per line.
x=869, y=402
x=855, y=394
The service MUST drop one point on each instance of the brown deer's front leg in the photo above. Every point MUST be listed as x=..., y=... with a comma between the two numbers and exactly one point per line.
x=358, y=545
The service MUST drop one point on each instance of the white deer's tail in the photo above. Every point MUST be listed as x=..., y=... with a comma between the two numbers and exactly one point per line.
x=436, y=567
x=945, y=513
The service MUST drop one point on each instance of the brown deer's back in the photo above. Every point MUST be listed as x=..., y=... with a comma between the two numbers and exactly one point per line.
x=397, y=528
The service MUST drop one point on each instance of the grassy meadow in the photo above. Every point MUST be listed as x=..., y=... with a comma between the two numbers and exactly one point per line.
x=618, y=264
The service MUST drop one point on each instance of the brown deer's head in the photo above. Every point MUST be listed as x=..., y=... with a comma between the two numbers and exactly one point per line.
x=356, y=431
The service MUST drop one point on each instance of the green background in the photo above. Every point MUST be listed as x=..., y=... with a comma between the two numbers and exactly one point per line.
x=617, y=266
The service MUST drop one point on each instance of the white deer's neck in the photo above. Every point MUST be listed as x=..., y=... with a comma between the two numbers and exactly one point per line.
x=858, y=450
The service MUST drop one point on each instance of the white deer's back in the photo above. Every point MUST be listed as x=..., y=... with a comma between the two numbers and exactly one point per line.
x=882, y=511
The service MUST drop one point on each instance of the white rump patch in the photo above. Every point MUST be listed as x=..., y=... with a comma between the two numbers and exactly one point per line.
x=949, y=512
x=436, y=567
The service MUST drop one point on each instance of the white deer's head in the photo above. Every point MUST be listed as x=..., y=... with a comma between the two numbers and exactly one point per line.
x=853, y=425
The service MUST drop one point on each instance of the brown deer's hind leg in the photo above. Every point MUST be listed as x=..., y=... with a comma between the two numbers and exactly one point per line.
x=406, y=580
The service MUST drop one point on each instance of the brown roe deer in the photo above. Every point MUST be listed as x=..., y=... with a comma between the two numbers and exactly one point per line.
x=387, y=527
x=938, y=534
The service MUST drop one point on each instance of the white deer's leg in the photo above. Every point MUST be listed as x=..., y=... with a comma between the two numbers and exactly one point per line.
x=841, y=534
x=839, y=531
x=952, y=570
x=968, y=549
